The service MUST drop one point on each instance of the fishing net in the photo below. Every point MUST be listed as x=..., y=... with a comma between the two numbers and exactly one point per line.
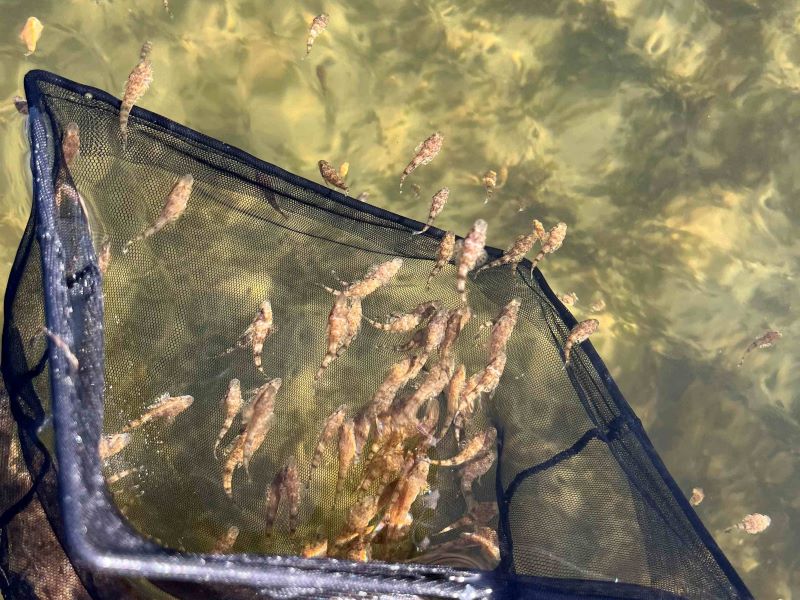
x=584, y=505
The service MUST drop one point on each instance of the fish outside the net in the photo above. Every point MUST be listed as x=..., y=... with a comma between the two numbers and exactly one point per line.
x=20, y=104
x=515, y=253
x=579, y=334
x=489, y=183
x=331, y=176
x=423, y=154
x=438, y=203
x=318, y=25
x=766, y=340
x=550, y=243
x=137, y=84
x=30, y=34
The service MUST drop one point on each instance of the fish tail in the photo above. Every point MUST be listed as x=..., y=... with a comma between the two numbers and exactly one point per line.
x=402, y=179
x=423, y=230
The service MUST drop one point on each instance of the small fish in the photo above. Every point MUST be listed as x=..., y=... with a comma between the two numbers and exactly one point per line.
x=329, y=430
x=359, y=517
x=231, y=403
x=354, y=317
x=479, y=513
x=473, y=470
x=30, y=34
x=454, y=389
x=437, y=205
x=330, y=175
x=104, y=256
x=399, y=323
x=261, y=412
x=395, y=379
x=697, y=496
x=416, y=190
x=763, y=341
x=166, y=407
x=579, y=334
x=397, y=516
x=486, y=380
x=376, y=277
x=443, y=255
x=503, y=327
x=569, y=299
x=362, y=426
x=456, y=322
x=318, y=25
x=226, y=542
x=363, y=197
x=317, y=548
x=433, y=385
x=423, y=154
x=490, y=183
x=429, y=422
x=344, y=169
x=337, y=332
x=20, y=104
x=138, y=81
x=515, y=253
x=113, y=443
x=481, y=442
x=273, y=500
x=752, y=524
x=387, y=461
x=347, y=452
x=258, y=332
x=174, y=207
x=291, y=491
x=550, y=243
x=71, y=143
x=59, y=343
x=598, y=306
x=115, y=477
x=473, y=246
x=486, y=539
x=234, y=460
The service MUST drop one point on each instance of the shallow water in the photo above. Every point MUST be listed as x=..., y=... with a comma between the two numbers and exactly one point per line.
x=662, y=134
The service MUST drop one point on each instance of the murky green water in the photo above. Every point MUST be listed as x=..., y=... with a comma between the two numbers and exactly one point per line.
x=665, y=135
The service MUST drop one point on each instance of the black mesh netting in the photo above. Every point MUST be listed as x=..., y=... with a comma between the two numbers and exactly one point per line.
x=586, y=508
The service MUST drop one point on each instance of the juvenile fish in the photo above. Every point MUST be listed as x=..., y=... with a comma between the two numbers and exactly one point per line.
x=139, y=80
x=456, y=322
x=486, y=539
x=569, y=299
x=70, y=150
x=516, y=252
x=579, y=334
x=473, y=247
x=550, y=243
x=318, y=25
x=398, y=515
x=329, y=430
x=362, y=426
x=173, y=209
x=113, y=443
x=752, y=524
x=331, y=176
x=480, y=513
x=502, y=327
x=59, y=343
x=354, y=316
x=234, y=460
x=166, y=407
x=30, y=34
x=376, y=277
x=273, y=500
x=423, y=154
x=478, y=444
x=291, y=491
x=443, y=255
x=473, y=470
x=337, y=331
x=454, y=388
x=347, y=452
x=438, y=203
x=104, y=257
x=115, y=477
x=490, y=183
x=20, y=104
x=395, y=379
x=231, y=403
x=485, y=381
x=261, y=412
x=258, y=332
x=398, y=323
x=433, y=384
x=315, y=549
x=764, y=341
x=226, y=542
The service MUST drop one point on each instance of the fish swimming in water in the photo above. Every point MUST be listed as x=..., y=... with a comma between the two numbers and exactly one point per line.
x=20, y=104
x=317, y=548
x=260, y=414
x=329, y=430
x=318, y=25
x=173, y=209
x=579, y=334
x=473, y=246
x=30, y=34
x=502, y=327
x=166, y=407
x=438, y=203
x=490, y=183
x=138, y=81
x=443, y=255
x=516, y=252
x=331, y=176
x=763, y=341
x=402, y=322
x=113, y=443
x=423, y=154
x=398, y=514
x=550, y=243
x=273, y=500
x=232, y=403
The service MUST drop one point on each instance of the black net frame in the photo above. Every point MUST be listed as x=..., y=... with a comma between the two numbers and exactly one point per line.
x=100, y=541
